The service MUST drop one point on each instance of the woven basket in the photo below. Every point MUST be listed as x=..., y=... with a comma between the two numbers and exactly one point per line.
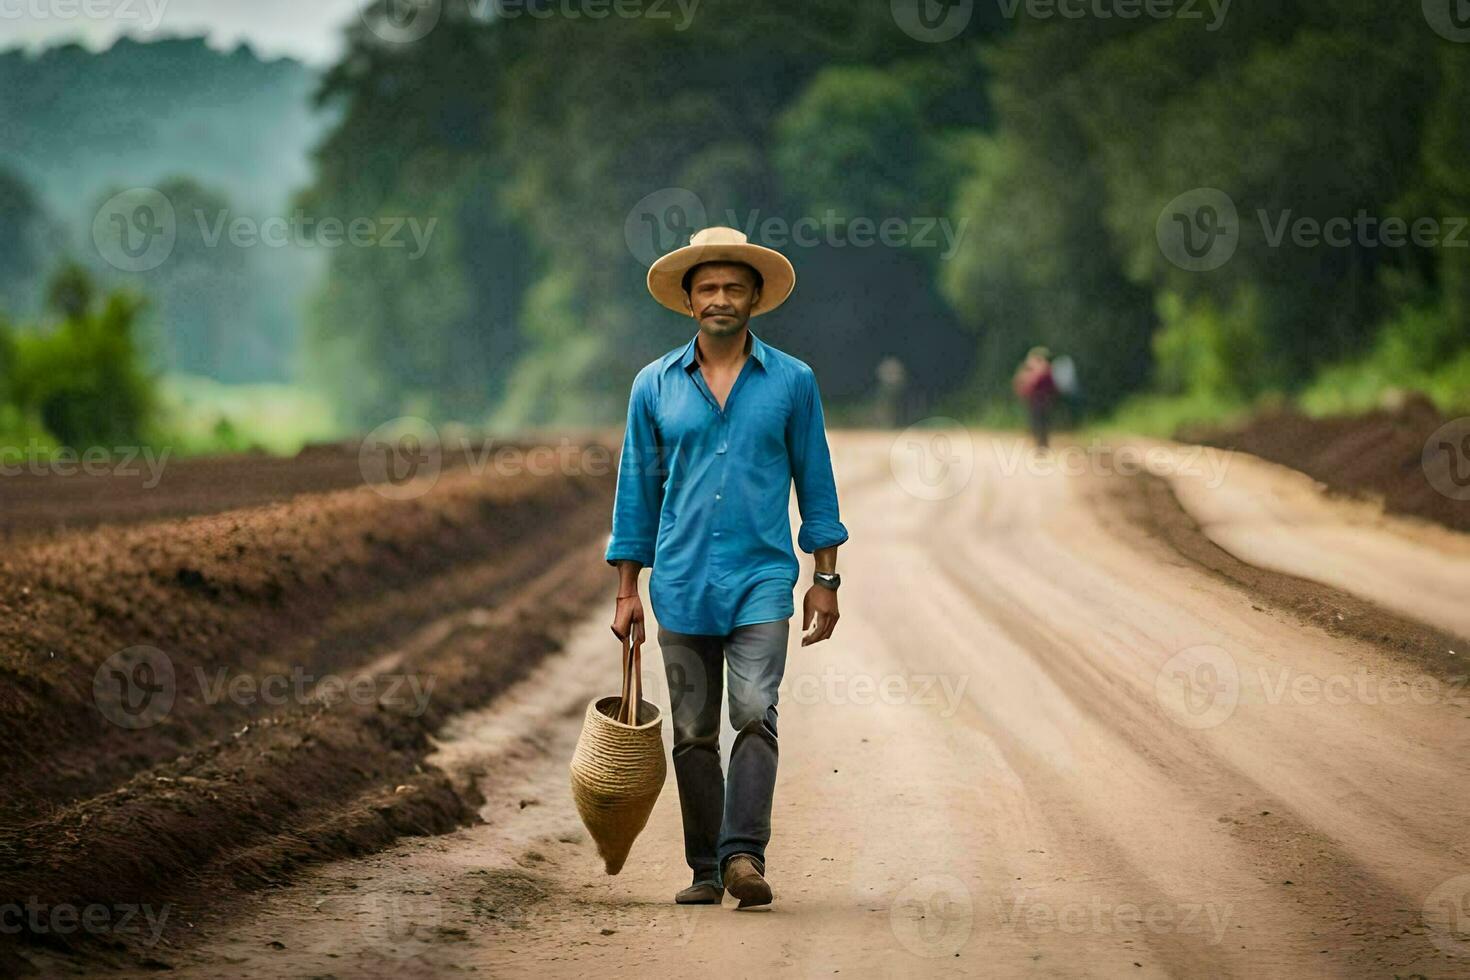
x=618, y=769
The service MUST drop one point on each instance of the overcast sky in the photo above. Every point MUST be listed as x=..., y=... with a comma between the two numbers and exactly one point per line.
x=305, y=29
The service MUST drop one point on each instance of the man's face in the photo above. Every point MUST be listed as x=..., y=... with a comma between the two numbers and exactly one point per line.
x=721, y=296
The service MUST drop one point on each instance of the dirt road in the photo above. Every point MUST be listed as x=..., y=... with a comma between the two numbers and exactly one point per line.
x=1045, y=741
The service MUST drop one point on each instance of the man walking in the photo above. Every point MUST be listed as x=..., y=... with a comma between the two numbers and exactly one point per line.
x=718, y=430
x=1036, y=386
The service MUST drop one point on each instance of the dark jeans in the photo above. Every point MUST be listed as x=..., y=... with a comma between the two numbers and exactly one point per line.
x=1039, y=415
x=724, y=817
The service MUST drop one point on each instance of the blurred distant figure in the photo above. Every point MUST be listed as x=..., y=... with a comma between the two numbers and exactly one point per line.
x=1036, y=385
x=1069, y=390
x=892, y=382
x=1064, y=373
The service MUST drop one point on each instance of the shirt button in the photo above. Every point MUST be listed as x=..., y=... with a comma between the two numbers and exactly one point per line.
x=719, y=497
x=717, y=534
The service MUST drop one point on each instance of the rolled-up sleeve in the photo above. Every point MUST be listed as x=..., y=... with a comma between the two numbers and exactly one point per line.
x=640, y=481
x=811, y=467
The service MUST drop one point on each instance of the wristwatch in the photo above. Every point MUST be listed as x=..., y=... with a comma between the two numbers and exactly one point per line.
x=827, y=580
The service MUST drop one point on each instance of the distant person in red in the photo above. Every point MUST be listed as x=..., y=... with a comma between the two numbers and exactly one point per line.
x=1035, y=385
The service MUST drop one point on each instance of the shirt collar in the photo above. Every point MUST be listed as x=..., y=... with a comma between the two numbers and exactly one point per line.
x=688, y=360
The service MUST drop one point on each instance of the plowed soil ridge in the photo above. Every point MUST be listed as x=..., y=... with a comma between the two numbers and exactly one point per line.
x=431, y=605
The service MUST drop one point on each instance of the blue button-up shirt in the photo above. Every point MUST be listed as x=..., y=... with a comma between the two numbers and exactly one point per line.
x=703, y=493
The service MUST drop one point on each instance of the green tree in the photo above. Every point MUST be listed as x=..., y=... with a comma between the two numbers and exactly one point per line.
x=21, y=219
x=84, y=380
x=533, y=139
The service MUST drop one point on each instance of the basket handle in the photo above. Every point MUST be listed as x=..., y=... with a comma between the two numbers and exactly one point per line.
x=632, y=691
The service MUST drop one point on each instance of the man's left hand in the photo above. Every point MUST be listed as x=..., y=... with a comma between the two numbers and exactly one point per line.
x=821, y=603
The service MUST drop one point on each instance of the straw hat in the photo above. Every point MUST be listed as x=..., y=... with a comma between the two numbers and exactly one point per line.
x=720, y=244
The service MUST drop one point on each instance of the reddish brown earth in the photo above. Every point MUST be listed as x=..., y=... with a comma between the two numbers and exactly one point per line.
x=251, y=616
x=132, y=487
x=1073, y=723
x=1059, y=731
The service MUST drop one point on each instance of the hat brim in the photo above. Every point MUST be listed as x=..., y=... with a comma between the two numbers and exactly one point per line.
x=666, y=276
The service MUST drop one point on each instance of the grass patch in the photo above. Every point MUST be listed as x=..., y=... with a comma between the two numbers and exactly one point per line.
x=1352, y=388
x=1161, y=416
x=201, y=416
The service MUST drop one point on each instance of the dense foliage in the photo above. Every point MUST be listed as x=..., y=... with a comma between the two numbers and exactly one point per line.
x=1294, y=110
x=77, y=380
x=551, y=151
x=1029, y=169
x=1053, y=146
x=226, y=133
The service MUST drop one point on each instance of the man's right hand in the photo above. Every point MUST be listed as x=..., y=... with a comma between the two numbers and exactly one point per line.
x=628, y=612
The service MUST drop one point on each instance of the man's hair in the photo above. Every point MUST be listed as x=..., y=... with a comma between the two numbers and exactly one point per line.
x=755, y=273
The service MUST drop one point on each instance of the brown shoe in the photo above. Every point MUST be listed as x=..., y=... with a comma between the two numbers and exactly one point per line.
x=745, y=881
x=701, y=893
